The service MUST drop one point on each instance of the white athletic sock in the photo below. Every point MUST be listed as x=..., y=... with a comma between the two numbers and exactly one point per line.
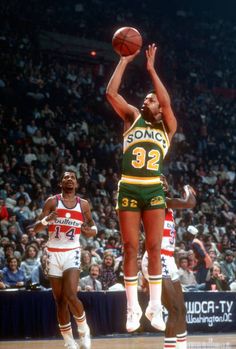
x=66, y=332
x=181, y=342
x=131, y=287
x=81, y=323
x=170, y=343
x=155, y=287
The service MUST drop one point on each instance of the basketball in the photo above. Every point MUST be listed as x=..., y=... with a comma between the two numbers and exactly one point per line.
x=126, y=41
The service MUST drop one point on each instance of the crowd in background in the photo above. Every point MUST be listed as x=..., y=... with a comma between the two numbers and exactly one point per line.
x=54, y=117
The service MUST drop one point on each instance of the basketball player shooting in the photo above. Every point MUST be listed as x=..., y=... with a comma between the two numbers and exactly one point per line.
x=147, y=136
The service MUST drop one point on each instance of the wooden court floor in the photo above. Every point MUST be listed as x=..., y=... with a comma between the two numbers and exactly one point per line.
x=210, y=341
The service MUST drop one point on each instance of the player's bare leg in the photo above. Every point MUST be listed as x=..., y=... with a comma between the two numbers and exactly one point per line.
x=181, y=328
x=153, y=221
x=176, y=328
x=63, y=314
x=130, y=229
x=70, y=284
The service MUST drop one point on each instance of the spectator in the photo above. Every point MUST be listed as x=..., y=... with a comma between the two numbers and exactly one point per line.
x=23, y=213
x=21, y=192
x=228, y=266
x=100, y=241
x=203, y=259
x=12, y=233
x=112, y=246
x=186, y=276
x=213, y=255
x=95, y=257
x=21, y=245
x=191, y=260
x=10, y=251
x=225, y=244
x=13, y=222
x=29, y=230
x=108, y=276
x=4, y=215
x=86, y=261
x=3, y=242
x=227, y=214
x=91, y=282
x=217, y=281
x=29, y=261
x=40, y=273
x=12, y=275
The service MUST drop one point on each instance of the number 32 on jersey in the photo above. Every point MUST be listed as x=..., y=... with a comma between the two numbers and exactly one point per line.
x=142, y=157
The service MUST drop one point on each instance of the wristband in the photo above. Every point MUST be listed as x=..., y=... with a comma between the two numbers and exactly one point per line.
x=44, y=222
x=94, y=228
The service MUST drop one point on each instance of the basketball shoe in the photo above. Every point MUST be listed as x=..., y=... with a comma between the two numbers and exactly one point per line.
x=154, y=315
x=72, y=345
x=133, y=318
x=85, y=339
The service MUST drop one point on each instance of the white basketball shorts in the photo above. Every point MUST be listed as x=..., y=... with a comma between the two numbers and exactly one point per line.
x=58, y=262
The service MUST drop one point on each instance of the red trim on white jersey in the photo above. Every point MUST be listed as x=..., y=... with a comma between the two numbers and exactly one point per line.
x=169, y=234
x=52, y=249
x=64, y=233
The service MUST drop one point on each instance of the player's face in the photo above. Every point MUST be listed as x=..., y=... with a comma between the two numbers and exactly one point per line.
x=151, y=110
x=69, y=181
x=164, y=183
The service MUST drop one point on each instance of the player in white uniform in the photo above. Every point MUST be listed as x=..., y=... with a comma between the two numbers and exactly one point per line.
x=172, y=295
x=66, y=217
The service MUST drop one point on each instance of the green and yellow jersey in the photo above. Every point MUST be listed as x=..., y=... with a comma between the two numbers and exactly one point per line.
x=145, y=147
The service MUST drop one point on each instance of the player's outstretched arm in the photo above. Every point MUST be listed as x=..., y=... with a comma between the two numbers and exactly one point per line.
x=188, y=201
x=161, y=92
x=126, y=111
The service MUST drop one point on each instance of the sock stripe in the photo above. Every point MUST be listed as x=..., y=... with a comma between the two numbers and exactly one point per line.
x=154, y=277
x=181, y=335
x=65, y=328
x=129, y=283
x=170, y=343
x=131, y=280
x=80, y=319
x=155, y=282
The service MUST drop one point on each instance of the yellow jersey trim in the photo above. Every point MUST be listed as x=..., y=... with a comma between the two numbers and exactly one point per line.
x=166, y=134
x=127, y=131
x=140, y=180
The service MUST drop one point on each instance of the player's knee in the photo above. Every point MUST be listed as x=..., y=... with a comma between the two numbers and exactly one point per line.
x=61, y=301
x=183, y=311
x=154, y=251
x=174, y=312
x=71, y=297
x=153, y=247
x=130, y=250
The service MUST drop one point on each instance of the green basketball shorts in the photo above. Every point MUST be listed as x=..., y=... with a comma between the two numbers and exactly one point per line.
x=133, y=197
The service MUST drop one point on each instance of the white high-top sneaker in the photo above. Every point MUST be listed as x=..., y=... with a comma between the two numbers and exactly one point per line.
x=133, y=318
x=72, y=345
x=85, y=339
x=154, y=315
